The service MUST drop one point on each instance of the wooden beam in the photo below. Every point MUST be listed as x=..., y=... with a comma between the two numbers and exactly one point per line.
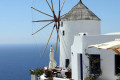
x=42, y=12
x=116, y=51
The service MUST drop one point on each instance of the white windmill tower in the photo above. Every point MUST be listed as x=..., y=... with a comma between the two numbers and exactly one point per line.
x=78, y=20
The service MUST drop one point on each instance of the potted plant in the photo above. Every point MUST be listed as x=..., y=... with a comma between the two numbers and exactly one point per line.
x=39, y=72
x=32, y=72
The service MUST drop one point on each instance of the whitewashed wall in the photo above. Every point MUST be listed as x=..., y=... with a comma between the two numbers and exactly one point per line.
x=72, y=28
x=107, y=56
x=76, y=47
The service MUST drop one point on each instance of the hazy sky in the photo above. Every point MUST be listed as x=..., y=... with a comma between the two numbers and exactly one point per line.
x=16, y=18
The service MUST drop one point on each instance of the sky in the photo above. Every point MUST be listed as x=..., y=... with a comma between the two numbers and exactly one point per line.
x=16, y=18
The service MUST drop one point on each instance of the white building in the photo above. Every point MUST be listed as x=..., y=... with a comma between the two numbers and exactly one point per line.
x=108, y=59
x=81, y=28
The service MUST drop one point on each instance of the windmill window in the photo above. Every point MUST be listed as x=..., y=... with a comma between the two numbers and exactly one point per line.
x=63, y=32
x=117, y=64
x=67, y=63
x=94, y=61
x=61, y=24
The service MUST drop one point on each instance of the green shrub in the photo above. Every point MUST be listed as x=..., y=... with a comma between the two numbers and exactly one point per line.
x=71, y=79
x=118, y=76
x=39, y=71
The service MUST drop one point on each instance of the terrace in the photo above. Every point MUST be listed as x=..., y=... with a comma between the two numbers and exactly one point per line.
x=52, y=74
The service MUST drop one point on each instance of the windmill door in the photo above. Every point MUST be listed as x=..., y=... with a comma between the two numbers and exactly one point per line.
x=81, y=66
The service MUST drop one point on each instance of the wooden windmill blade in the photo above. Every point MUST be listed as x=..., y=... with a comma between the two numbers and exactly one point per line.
x=59, y=38
x=49, y=5
x=62, y=8
x=48, y=41
x=52, y=9
x=59, y=9
x=41, y=12
x=43, y=21
x=63, y=15
x=42, y=28
x=62, y=5
x=52, y=5
x=55, y=19
x=56, y=45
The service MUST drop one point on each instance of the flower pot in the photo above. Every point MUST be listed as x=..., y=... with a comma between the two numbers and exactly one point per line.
x=32, y=77
x=38, y=78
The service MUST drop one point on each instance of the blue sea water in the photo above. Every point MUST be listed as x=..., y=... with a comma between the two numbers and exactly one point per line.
x=17, y=60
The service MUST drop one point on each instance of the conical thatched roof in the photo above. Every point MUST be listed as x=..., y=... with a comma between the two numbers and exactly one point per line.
x=80, y=12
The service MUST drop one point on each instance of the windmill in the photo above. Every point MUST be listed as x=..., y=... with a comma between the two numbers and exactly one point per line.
x=55, y=19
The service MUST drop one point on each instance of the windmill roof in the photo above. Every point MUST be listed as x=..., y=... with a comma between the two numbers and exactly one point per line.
x=80, y=12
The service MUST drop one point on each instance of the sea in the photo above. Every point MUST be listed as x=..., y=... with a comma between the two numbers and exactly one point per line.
x=17, y=60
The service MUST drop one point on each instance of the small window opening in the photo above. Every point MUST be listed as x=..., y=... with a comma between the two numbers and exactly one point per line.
x=63, y=33
x=61, y=24
x=117, y=64
x=67, y=63
x=95, y=64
